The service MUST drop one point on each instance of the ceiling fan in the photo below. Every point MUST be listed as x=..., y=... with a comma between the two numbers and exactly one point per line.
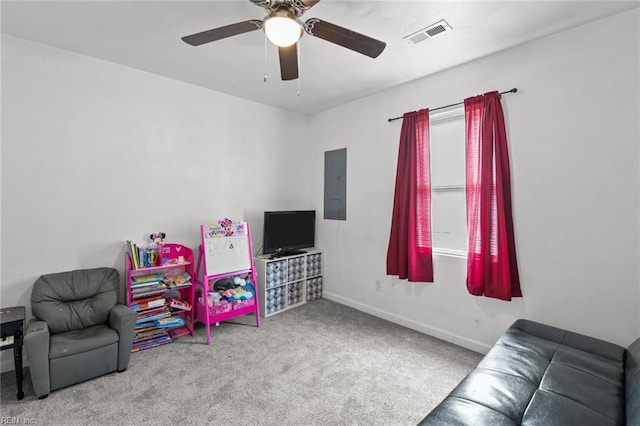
x=283, y=27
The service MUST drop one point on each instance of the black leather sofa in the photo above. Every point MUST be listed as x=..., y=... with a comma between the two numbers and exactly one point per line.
x=541, y=375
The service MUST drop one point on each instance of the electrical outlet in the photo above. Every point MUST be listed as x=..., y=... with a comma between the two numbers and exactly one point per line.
x=378, y=285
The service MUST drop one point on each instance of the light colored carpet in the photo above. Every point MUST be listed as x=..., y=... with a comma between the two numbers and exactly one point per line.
x=319, y=364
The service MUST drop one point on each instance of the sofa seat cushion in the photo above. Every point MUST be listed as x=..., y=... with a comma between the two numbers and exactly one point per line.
x=80, y=341
x=549, y=409
x=455, y=411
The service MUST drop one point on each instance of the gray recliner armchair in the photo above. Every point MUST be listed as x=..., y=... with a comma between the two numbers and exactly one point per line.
x=80, y=331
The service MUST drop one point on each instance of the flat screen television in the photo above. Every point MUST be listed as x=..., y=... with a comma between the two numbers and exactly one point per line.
x=287, y=232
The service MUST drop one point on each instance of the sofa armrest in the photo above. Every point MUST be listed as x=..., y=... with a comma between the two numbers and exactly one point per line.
x=36, y=345
x=632, y=378
x=123, y=320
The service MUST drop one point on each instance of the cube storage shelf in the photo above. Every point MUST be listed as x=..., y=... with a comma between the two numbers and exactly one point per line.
x=289, y=281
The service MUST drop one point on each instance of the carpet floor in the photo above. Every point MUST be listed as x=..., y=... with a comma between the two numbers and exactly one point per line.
x=322, y=363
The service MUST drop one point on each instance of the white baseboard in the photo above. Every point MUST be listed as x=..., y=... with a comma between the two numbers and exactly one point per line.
x=465, y=342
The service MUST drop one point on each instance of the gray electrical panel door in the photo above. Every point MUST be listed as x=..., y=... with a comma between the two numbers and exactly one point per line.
x=335, y=184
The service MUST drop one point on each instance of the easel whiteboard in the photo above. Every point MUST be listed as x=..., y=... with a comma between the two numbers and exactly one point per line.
x=226, y=247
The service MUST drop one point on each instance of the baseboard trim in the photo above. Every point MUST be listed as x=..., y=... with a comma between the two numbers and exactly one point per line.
x=465, y=342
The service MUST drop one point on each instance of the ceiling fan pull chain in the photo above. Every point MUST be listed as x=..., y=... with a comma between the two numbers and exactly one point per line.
x=299, y=63
x=265, y=57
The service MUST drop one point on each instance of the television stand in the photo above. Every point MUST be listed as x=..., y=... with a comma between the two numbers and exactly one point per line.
x=288, y=253
x=289, y=280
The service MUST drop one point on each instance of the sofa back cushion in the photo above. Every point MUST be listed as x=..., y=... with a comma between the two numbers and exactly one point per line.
x=632, y=383
x=75, y=300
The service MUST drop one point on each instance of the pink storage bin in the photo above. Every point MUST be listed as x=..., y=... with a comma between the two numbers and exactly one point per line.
x=173, y=254
x=220, y=309
x=243, y=303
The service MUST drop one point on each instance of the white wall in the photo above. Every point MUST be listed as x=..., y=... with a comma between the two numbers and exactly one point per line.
x=94, y=153
x=574, y=142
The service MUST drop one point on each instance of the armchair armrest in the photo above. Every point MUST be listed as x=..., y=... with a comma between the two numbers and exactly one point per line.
x=123, y=320
x=36, y=345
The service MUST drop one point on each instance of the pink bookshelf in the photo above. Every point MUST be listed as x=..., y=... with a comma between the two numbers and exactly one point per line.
x=147, y=288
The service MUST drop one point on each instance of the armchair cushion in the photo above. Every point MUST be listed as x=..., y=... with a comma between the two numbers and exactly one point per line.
x=80, y=341
x=75, y=300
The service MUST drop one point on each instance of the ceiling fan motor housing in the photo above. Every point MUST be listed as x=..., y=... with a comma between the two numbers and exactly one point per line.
x=296, y=7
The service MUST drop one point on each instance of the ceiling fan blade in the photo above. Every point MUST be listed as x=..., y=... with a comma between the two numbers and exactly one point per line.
x=222, y=32
x=288, y=62
x=344, y=37
x=309, y=3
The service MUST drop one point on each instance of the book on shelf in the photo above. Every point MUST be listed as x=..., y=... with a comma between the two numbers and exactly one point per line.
x=149, y=291
x=145, y=286
x=148, y=302
x=172, y=321
x=179, y=282
x=149, y=319
x=148, y=288
x=151, y=309
x=152, y=312
x=146, y=280
x=174, y=286
x=146, y=330
x=132, y=250
x=179, y=304
x=146, y=344
x=182, y=279
x=150, y=334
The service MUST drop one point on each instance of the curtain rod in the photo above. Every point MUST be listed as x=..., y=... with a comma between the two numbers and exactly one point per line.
x=514, y=90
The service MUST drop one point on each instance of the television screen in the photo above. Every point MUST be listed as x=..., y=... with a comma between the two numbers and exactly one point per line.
x=286, y=232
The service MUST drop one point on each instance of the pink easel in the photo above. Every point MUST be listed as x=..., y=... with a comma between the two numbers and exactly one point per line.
x=225, y=251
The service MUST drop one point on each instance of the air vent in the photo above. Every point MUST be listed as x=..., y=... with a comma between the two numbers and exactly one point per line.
x=428, y=32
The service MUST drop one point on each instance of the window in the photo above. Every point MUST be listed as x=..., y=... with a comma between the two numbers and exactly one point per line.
x=448, y=201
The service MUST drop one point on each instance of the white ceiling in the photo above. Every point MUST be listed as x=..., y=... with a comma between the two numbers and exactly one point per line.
x=146, y=35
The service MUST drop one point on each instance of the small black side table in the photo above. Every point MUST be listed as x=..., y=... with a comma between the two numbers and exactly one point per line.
x=11, y=331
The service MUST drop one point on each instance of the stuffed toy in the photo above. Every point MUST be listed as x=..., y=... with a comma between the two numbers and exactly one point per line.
x=157, y=238
x=229, y=293
x=223, y=284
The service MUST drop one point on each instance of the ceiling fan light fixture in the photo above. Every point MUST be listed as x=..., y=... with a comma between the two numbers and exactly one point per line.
x=282, y=28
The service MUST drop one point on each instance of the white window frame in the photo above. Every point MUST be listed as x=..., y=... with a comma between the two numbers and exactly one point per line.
x=450, y=114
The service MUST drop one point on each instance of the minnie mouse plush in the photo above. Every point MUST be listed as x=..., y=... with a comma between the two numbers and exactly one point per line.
x=156, y=238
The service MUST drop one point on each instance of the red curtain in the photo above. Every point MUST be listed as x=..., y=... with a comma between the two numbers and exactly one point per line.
x=409, y=255
x=492, y=269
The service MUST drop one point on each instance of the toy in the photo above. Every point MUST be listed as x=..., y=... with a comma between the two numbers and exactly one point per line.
x=224, y=284
x=149, y=257
x=156, y=238
x=214, y=298
x=229, y=293
x=239, y=281
x=242, y=295
x=150, y=254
